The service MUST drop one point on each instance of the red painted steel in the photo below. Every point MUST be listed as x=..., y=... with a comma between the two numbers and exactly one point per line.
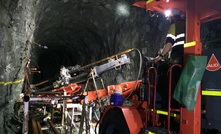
x=169, y=98
x=152, y=86
x=191, y=120
x=207, y=10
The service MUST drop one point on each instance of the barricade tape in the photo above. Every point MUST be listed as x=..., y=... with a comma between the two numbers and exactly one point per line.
x=11, y=82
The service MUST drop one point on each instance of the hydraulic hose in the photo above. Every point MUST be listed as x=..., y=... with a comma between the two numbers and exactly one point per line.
x=139, y=71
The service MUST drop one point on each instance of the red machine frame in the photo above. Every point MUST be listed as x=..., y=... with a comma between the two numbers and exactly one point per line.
x=197, y=12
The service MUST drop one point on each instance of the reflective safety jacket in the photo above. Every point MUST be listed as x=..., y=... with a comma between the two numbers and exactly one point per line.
x=176, y=36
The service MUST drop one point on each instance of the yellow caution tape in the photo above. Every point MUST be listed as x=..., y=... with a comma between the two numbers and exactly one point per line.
x=11, y=82
x=190, y=44
x=211, y=93
x=149, y=1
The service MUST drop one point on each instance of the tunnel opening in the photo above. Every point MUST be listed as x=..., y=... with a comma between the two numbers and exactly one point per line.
x=69, y=33
x=77, y=45
x=51, y=60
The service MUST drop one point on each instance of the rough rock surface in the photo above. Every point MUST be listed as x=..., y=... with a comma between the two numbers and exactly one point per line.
x=68, y=32
x=210, y=34
x=63, y=32
x=17, y=25
x=86, y=31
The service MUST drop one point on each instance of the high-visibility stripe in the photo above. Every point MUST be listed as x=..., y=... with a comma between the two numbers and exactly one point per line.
x=178, y=43
x=11, y=82
x=149, y=1
x=165, y=113
x=211, y=93
x=180, y=36
x=172, y=36
x=190, y=44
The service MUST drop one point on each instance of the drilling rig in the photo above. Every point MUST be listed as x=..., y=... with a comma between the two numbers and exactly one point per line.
x=133, y=106
x=142, y=116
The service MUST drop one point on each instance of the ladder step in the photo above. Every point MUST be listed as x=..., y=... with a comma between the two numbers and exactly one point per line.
x=77, y=113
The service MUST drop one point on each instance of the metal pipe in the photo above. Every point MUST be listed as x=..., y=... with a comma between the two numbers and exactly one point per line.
x=53, y=127
x=147, y=117
x=152, y=85
x=39, y=127
x=169, y=95
x=52, y=113
x=105, y=59
x=83, y=113
x=36, y=127
x=73, y=80
x=72, y=122
x=47, y=93
x=26, y=118
x=52, y=98
x=63, y=111
x=27, y=95
x=43, y=82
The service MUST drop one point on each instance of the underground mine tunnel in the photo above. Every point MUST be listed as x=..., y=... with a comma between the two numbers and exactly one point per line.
x=50, y=34
x=38, y=37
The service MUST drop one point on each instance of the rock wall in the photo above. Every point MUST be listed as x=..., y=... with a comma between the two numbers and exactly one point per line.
x=16, y=32
x=62, y=32
x=211, y=34
x=92, y=31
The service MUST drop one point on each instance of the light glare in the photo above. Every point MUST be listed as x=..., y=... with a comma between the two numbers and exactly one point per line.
x=123, y=10
x=167, y=13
